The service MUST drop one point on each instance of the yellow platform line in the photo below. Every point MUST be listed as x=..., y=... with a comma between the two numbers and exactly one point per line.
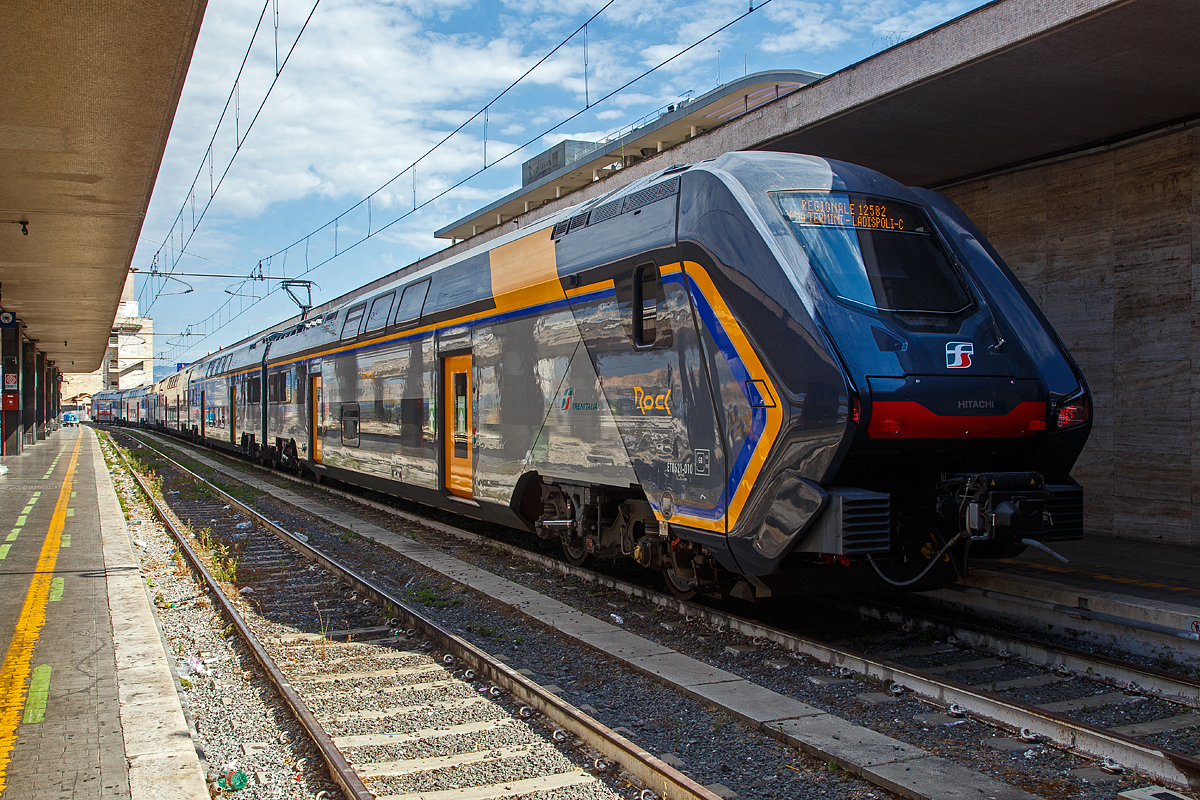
x=14, y=675
x=1102, y=576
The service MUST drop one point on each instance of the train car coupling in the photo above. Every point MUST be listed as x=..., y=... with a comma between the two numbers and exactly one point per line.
x=995, y=506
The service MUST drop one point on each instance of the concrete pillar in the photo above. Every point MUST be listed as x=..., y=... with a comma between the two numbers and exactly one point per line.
x=28, y=393
x=10, y=413
x=40, y=396
x=52, y=395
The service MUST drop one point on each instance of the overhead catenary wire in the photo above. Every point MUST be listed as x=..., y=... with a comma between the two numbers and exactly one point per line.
x=233, y=98
x=278, y=70
x=451, y=187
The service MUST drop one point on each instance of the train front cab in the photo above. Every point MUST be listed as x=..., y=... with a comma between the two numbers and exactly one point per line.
x=924, y=395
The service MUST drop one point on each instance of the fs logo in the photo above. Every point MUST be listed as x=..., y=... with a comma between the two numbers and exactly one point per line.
x=958, y=354
x=566, y=401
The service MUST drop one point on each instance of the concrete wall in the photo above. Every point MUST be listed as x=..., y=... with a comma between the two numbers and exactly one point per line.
x=1109, y=245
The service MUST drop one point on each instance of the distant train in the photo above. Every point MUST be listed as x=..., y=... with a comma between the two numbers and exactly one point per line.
x=764, y=374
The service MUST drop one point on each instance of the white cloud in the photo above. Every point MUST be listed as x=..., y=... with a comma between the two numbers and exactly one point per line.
x=807, y=27
x=373, y=86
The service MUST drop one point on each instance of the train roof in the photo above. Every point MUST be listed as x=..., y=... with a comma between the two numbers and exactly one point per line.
x=759, y=172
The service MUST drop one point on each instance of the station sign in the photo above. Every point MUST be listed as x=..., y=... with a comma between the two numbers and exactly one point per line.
x=9, y=320
x=10, y=382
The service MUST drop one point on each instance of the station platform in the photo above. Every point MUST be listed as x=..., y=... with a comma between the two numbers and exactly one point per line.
x=1147, y=569
x=1138, y=596
x=89, y=706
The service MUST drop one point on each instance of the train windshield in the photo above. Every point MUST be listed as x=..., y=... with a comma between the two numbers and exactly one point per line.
x=874, y=252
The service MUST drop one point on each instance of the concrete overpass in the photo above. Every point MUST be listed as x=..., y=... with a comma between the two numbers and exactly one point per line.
x=89, y=92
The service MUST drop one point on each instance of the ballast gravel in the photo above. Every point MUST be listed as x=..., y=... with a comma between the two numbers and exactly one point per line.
x=240, y=724
x=237, y=704
x=709, y=747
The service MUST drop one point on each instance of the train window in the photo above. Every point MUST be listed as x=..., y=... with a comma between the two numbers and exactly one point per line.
x=279, y=387
x=350, y=424
x=461, y=428
x=353, y=317
x=646, y=286
x=381, y=307
x=411, y=302
x=253, y=389
x=412, y=419
x=873, y=252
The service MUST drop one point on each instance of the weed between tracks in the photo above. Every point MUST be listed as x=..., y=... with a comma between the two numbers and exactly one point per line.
x=432, y=597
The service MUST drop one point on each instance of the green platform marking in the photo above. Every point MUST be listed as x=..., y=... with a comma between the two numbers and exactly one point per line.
x=4, y=551
x=66, y=540
x=20, y=521
x=37, y=494
x=33, y=499
x=12, y=537
x=56, y=589
x=39, y=693
x=27, y=509
x=74, y=493
x=70, y=512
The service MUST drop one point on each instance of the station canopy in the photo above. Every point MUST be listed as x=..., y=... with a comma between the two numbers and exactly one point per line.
x=89, y=92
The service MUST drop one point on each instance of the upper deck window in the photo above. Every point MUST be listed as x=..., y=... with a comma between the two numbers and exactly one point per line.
x=874, y=252
x=381, y=307
x=353, y=318
x=412, y=302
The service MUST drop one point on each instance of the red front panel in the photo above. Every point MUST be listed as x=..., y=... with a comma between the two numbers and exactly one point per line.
x=906, y=419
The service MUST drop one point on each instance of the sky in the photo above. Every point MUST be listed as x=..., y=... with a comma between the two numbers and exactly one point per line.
x=336, y=102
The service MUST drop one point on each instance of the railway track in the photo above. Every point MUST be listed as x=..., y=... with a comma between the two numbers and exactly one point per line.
x=1000, y=685
x=397, y=706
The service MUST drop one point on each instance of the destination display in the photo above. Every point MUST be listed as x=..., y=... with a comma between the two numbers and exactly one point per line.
x=849, y=211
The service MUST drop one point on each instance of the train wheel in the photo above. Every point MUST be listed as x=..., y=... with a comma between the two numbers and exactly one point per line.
x=575, y=552
x=680, y=587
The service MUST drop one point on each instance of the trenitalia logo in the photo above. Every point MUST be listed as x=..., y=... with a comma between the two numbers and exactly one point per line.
x=650, y=402
x=568, y=403
x=958, y=354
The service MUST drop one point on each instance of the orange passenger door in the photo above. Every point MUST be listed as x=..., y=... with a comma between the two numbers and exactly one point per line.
x=456, y=425
x=315, y=401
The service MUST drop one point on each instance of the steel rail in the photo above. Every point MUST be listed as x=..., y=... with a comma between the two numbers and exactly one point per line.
x=661, y=778
x=339, y=768
x=1179, y=769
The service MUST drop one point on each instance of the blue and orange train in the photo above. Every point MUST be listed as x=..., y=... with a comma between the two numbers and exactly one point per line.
x=764, y=374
